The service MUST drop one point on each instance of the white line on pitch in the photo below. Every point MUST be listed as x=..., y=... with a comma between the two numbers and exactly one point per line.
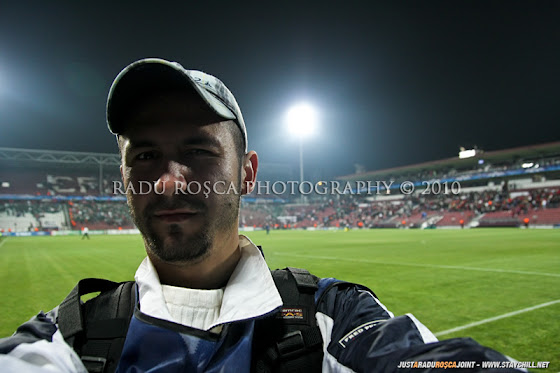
x=3, y=241
x=491, y=319
x=423, y=265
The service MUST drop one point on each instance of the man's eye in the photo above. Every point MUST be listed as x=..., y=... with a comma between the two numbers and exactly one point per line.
x=191, y=152
x=146, y=156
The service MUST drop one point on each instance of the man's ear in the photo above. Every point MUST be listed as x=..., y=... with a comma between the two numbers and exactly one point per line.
x=249, y=172
x=120, y=143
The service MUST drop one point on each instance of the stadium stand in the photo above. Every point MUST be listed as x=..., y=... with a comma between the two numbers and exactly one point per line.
x=453, y=219
x=99, y=215
x=546, y=217
x=22, y=181
x=499, y=219
x=44, y=191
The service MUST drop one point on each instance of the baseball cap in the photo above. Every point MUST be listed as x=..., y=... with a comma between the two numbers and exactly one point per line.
x=150, y=75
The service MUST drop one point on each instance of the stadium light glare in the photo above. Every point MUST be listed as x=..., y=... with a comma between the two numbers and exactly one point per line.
x=301, y=120
x=467, y=153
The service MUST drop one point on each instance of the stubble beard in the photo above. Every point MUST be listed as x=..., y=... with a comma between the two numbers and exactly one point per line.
x=176, y=246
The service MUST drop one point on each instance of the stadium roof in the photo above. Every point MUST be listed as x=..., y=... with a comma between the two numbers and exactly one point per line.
x=531, y=152
x=26, y=157
x=57, y=159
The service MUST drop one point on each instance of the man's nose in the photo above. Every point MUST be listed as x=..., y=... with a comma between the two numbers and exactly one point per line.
x=173, y=180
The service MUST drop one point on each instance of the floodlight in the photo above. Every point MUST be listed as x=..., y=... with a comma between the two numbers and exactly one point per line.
x=301, y=120
x=467, y=153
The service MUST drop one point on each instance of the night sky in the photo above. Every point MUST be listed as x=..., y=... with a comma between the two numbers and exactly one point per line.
x=393, y=84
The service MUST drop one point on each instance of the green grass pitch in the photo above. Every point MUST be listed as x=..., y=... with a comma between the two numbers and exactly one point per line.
x=446, y=278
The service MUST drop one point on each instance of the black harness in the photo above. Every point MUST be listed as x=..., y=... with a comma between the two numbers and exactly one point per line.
x=289, y=341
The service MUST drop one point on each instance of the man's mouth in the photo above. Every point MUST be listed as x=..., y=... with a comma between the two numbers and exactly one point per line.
x=175, y=215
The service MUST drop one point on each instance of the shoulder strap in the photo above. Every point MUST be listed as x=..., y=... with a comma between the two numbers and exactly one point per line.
x=290, y=341
x=70, y=315
x=97, y=328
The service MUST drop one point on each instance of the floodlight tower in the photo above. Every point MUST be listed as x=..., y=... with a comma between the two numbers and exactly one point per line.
x=302, y=120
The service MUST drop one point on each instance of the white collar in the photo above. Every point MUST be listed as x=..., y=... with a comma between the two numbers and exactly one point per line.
x=249, y=293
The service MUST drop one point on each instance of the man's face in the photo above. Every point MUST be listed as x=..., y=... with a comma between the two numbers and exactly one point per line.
x=171, y=143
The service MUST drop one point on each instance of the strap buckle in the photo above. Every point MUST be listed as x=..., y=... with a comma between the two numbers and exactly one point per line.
x=94, y=364
x=291, y=344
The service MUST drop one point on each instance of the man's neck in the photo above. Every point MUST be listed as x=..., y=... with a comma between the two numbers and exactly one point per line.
x=212, y=272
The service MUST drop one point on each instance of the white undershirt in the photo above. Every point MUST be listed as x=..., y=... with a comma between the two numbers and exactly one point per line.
x=249, y=293
x=193, y=307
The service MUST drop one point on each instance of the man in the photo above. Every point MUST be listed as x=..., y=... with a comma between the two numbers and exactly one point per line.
x=85, y=233
x=206, y=300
